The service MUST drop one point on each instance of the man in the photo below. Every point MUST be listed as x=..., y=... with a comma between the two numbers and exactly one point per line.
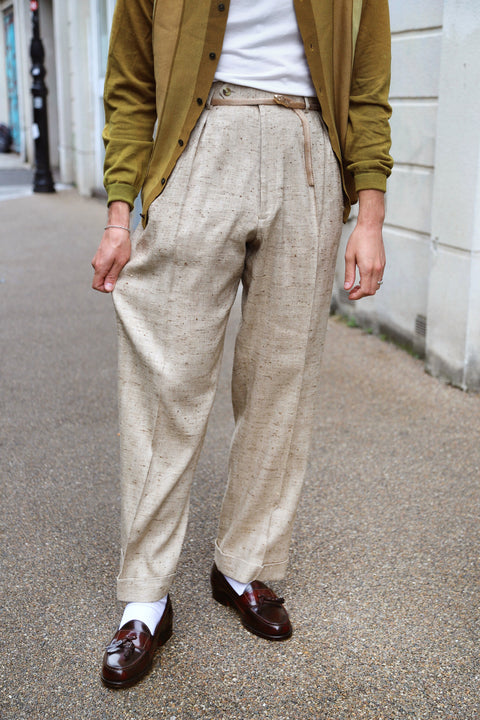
x=271, y=118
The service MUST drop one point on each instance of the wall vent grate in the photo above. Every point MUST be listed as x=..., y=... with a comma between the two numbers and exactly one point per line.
x=421, y=325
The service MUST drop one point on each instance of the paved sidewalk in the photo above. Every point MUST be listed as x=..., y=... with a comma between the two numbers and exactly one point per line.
x=16, y=178
x=383, y=584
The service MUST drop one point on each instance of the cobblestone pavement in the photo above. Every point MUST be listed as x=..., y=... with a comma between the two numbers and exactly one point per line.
x=383, y=584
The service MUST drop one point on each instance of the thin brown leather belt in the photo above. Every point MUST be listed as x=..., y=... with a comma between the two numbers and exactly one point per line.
x=285, y=100
x=297, y=105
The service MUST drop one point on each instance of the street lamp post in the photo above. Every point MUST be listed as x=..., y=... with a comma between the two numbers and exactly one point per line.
x=42, y=180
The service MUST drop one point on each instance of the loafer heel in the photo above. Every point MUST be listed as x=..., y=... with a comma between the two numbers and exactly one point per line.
x=220, y=597
x=165, y=636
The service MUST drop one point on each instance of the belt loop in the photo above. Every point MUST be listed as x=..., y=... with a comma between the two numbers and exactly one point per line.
x=307, y=104
x=208, y=104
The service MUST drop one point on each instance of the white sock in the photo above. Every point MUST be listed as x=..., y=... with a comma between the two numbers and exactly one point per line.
x=149, y=613
x=237, y=586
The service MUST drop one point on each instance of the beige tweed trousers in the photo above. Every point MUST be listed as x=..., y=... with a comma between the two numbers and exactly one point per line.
x=240, y=207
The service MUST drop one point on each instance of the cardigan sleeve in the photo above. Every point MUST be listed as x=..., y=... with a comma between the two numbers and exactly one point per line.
x=368, y=142
x=129, y=100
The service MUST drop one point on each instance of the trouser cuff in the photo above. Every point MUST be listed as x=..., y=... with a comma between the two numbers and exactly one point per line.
x=141, y=590
x=246, y=572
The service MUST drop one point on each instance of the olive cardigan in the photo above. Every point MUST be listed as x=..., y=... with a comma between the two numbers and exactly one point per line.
x=161, y=64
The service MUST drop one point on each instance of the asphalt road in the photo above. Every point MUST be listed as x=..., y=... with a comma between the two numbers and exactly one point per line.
x=383, y=584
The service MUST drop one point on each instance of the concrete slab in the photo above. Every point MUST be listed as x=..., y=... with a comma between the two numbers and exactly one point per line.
x=383, y=584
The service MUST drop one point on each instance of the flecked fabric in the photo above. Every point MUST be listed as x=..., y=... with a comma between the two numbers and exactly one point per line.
x=238, y=208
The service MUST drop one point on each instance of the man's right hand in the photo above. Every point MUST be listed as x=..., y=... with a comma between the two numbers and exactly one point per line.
x=114, y=249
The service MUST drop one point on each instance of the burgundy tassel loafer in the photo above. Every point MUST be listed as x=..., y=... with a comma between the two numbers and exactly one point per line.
x=260, y=610
x=130, y=654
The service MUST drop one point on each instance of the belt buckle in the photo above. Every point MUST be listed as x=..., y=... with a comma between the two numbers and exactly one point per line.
x=283, y=100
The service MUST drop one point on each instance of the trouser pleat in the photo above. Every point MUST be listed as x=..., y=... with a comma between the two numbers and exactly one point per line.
x=238, y=206
x=287, y=287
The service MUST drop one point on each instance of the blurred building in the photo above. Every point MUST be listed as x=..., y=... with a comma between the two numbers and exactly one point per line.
x=75, y=38
x=430, y=300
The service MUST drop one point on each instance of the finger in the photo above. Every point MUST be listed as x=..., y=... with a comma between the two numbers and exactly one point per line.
x=350, y=267
x=112, y=275
x=366, y=288
x=102, y=272
x=363, y=289
x=374, y=284
x=356, y=293
x=98, y=282
x=110, y=282
x=371, y=279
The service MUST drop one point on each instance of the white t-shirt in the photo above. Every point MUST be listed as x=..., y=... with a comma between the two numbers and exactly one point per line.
x=263, y=48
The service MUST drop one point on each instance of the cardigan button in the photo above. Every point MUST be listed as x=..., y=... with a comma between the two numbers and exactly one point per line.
x=221, y=7
x=212, y=56
x=199, y=101
x=180, y=142
x=163, y=181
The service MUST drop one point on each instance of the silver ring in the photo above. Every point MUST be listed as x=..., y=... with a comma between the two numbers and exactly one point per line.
x=379, y=282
